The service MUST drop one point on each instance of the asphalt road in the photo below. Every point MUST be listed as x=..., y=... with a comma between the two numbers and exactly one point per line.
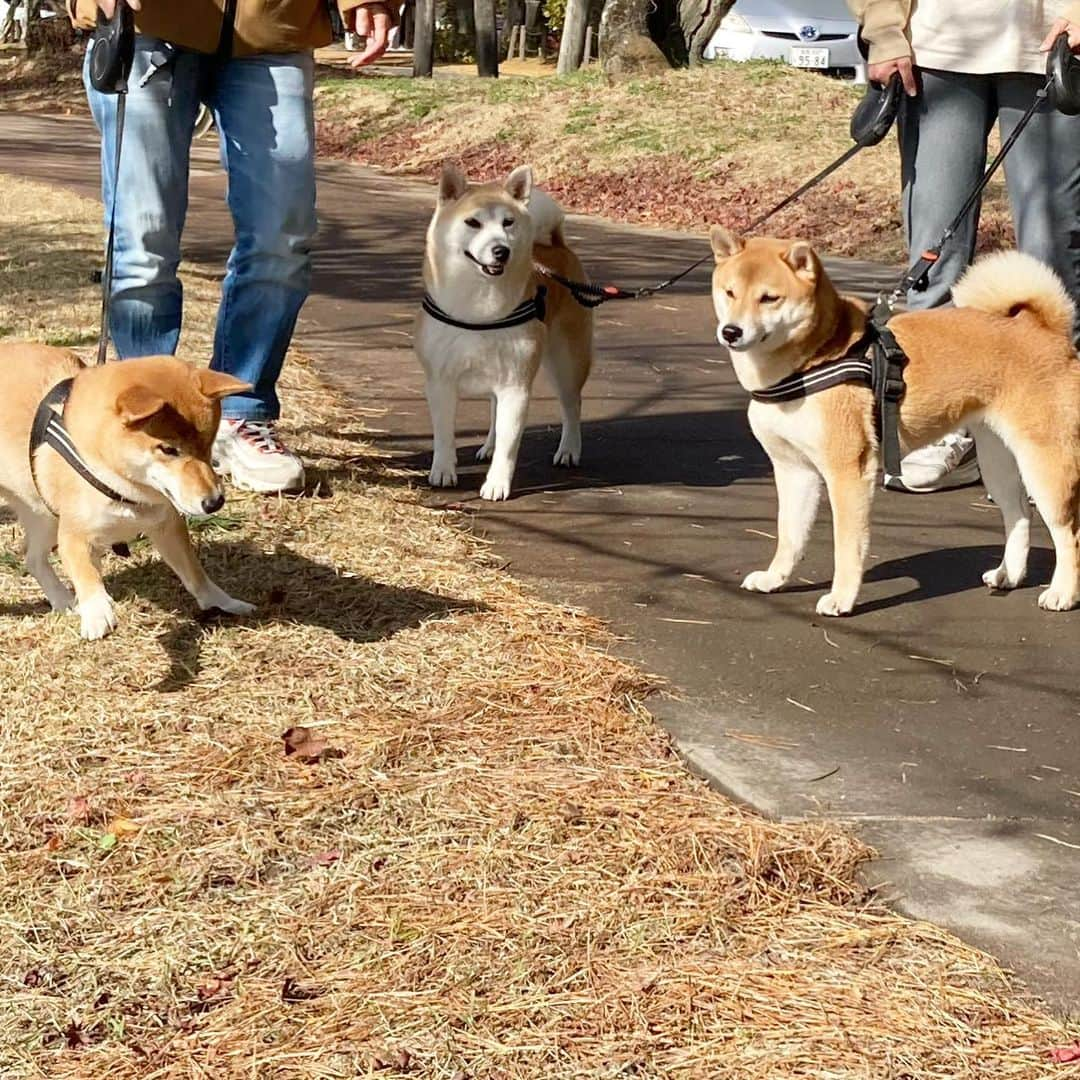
x=942, y=720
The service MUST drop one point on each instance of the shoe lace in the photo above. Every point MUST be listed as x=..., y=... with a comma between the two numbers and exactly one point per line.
x=261, y=435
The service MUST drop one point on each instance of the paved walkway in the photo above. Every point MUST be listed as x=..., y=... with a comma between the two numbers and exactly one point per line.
x=942, y=720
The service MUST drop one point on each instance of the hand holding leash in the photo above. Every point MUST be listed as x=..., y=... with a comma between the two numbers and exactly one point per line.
x=885, y=72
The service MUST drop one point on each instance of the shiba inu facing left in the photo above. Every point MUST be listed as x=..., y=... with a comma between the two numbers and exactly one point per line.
x=1001, y=362
x=488, y=321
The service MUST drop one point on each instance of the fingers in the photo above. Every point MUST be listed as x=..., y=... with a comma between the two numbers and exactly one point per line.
x=1060, y=27
x=373, y=22
x=108, y=7
x=882, y=72
x=907, y=76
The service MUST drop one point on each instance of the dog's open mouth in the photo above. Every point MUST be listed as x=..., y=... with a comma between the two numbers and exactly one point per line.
x=491, y=269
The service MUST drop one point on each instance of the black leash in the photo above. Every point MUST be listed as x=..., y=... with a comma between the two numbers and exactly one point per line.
x=870, y=124
x=917, y=278
x=111, y=60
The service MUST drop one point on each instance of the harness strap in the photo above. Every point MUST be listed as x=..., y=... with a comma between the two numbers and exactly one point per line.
x=852, y=367
x=48, y=430
x=889, y=361
x=526, y=312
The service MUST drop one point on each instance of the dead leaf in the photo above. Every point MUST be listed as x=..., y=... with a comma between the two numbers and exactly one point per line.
x=78, y=809
x=33, y=978
x=305, y=746
x=54, y=842
x=325, y=858
x=214, y=985
x=75, y=1037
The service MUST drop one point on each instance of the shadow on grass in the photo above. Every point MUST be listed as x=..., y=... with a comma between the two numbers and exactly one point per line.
x=286, y=588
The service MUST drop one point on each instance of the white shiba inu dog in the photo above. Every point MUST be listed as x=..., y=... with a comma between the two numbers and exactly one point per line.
x=477, y=335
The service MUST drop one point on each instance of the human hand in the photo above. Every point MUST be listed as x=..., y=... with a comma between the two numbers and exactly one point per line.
x=109, y=6
x=371, y=22
x=882, y=72
x=1063, y=26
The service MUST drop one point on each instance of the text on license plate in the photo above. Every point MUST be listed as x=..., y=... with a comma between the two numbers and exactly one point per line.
x=810, y=58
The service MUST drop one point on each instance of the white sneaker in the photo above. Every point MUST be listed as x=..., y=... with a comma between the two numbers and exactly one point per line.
x=951, y=463
x=251, y=453
x=352, y=41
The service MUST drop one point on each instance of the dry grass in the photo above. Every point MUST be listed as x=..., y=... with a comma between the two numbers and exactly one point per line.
x=496, y=868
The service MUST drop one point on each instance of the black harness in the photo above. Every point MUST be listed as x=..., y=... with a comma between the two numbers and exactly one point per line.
x=524, y=313
x=875, y=361
x=49, y=430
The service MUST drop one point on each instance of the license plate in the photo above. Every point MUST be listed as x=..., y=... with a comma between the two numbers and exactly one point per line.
x=810, y=58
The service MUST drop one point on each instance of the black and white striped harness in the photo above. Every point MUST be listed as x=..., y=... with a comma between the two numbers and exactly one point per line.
x=875, y=361
x=524, y=313
x=49, y=430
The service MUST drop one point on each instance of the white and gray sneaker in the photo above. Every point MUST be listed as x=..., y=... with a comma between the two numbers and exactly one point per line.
x=251, y=453
x=951, y=463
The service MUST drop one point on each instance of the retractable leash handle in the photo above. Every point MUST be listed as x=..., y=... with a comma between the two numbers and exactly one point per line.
x=1063, y=71
x=875, y=115
x=113, y=52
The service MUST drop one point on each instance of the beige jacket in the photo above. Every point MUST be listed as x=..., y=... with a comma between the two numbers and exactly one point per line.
x=989, y=37
x=260, y=26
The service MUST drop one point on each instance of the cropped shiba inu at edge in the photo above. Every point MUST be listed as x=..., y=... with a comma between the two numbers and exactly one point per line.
x=478, y=269
x=143, y=429
x=1000, y=362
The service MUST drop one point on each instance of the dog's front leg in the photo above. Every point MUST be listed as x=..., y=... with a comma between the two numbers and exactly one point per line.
x=173, y=543
x=442, y=399
x=97, y=616
x=798, y=489
x=512, y=407
x=851, y=493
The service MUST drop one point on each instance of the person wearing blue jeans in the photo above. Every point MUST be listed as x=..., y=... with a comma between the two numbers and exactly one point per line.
x=251, y=63
x=966, y=69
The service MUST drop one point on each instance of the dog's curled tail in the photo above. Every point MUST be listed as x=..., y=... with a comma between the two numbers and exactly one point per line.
x=1010, y=282
x=548, y=219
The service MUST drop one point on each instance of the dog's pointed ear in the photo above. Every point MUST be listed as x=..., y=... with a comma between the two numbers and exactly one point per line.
x=217, y=385
x=724, y=242
x=520, y=183
x=801, y=258
x=452, y=183
x=138, y=403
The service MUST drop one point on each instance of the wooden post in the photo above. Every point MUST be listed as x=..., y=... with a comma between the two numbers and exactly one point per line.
x=487, y=41
x=424, y=39
x=521, y=43
x=513, y=43
x=587, y=57
x=572, y=45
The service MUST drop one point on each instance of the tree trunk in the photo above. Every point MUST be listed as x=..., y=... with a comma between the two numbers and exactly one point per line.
x=644, y=36
x=424, y=39
x=572, y=45
x=515, y=16
x=487, y=39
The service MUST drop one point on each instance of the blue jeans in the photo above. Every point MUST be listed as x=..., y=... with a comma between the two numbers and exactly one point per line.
x=263, y=109
x=943, y=150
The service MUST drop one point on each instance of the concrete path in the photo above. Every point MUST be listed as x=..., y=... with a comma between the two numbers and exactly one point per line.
x=941, y=720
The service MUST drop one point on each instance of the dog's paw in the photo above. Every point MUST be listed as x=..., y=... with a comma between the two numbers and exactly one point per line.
x=495, y=489
x=1054, y=599
x=762, y=581
x=567, y=458
x=442, y=476
x=232, y=606
x=832, y=605
x=485, y=451
x=1000, y=579
x=97, y=618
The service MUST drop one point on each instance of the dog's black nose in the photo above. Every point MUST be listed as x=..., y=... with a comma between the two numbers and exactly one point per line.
x=731, y=333
x=213, y=503
x=500, y=253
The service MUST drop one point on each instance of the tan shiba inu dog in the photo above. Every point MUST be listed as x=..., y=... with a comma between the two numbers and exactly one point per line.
x=478, y=269
x=143, y=429
x=1001, y=363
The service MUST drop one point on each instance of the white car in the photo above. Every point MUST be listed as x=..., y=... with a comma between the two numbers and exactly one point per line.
x=818, y=34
